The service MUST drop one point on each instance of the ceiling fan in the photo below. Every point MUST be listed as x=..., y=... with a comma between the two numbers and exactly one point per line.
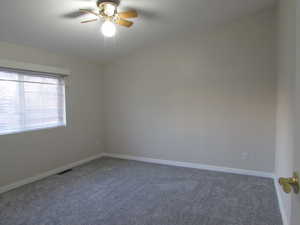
x=108, y=11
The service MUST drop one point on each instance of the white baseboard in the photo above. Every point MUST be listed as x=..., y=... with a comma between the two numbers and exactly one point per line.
x=48, y=173
x=192, y=165
x=280, y=201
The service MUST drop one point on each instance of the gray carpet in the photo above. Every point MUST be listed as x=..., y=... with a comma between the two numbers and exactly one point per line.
x=121, y=192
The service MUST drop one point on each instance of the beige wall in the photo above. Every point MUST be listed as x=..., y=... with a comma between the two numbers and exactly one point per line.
x=206, y=98
x=286, y=72
x=27, y=154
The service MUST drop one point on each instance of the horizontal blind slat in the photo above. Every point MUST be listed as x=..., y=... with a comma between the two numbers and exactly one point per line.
x=31, y=82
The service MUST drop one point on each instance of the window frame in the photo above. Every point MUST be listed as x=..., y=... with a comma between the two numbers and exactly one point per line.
x=59, y=77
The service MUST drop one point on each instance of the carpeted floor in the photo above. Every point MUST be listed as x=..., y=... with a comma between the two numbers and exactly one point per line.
x=121, y=192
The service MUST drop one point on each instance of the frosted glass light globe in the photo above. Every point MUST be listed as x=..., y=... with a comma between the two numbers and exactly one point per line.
x=108, y=29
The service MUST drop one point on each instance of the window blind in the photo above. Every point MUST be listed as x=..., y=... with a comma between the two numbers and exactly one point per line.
x=30, y=100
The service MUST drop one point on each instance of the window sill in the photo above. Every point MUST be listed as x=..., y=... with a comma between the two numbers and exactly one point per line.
x=32, y=129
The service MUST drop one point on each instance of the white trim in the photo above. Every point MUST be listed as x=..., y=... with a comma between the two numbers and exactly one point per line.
x=48, y=173
x=280, y=201
x=32, y=129
x=192, y=165
x=33, y=67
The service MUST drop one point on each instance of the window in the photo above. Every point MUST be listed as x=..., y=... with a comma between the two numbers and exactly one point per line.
x=30, y=101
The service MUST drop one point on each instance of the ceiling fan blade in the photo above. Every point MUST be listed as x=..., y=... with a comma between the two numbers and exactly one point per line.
x=88, y=11
x=88, y=21
x=128, y=14
x=75, y=14
x=124, y=23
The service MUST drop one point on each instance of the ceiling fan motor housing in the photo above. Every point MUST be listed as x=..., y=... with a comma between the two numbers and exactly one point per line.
x=114, y=2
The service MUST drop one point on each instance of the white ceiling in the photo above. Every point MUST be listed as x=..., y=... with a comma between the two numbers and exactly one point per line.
x=47, y=24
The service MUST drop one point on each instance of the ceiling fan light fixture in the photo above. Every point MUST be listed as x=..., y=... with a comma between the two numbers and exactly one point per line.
x=108, y=29
x=108, y=12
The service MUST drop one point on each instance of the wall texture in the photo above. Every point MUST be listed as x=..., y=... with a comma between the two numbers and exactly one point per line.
x=286, y=72
x=31, y=153
x=206, y=98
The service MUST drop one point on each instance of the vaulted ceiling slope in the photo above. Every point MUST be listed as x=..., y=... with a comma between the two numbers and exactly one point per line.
x=52, y=25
